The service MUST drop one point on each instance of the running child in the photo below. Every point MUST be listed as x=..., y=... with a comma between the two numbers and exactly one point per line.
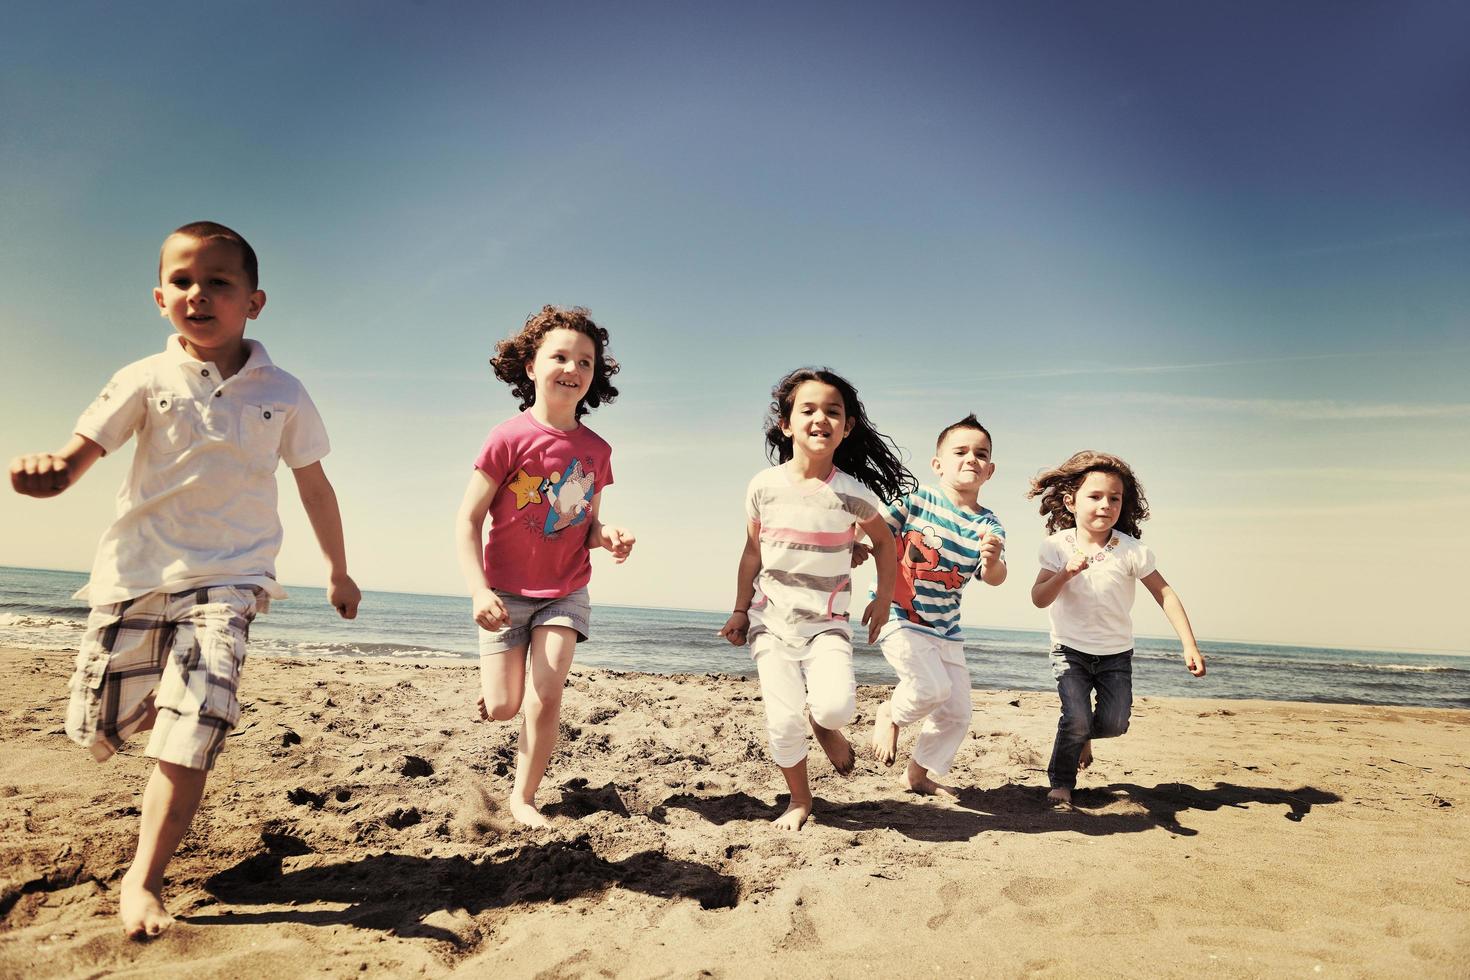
x=539, y=477
x=794, y=582
x=944, y=538
x=1093, y=505
x=190, y=559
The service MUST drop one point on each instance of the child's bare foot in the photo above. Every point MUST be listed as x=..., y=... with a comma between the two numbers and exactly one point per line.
x=794, y=816
x=141, y=910
x=1060, y=798
x=884, y=746
x=526, y=813
x=916, y=780
x=480, y=704
x=1086, y=759
x=838, y=748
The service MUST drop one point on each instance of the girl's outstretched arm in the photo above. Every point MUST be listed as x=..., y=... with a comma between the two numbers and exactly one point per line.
x=469, y=544
x=737, y=626
x=1168, y=600
x=885, y=559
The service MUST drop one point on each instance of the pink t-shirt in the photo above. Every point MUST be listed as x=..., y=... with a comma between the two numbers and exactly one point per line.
x=546, y=480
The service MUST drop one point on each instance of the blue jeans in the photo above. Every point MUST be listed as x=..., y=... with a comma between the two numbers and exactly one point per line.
x=1078, y=674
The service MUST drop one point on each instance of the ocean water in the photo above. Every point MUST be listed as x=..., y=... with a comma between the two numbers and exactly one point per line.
x=36, y=612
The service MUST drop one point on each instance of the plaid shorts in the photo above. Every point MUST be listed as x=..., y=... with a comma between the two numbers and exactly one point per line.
x=176, y=653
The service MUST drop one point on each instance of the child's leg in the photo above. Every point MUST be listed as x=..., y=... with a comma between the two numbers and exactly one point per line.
x=943, y=733
x=831, y=693
x=169, y=804
x=922, y=686
x=1073, y=672
x=1113, y=679
x=783, y=693
x=502, y=683
x=550, y=657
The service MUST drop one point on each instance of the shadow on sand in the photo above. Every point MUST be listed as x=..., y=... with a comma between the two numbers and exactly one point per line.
x=1120, y=808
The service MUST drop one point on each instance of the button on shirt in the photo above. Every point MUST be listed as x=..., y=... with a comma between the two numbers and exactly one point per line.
x=198, y=506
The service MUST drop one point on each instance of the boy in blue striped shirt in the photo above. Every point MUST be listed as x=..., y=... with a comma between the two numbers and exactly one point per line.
x=944, y=537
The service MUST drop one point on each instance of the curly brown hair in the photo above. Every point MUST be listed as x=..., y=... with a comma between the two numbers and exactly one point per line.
x=1059, y=485
x=514, y=353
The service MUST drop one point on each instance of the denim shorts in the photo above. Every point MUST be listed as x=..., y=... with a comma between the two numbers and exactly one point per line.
x=528, y=612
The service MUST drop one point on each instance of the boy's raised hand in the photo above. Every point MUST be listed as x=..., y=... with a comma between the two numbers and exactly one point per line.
x=345, y=596
x=990, y=545
x=1194, y=661
x=40, y=474
x=874, y=617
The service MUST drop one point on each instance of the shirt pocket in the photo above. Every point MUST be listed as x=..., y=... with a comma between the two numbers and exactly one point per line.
x=261, y=427
x=170, y=422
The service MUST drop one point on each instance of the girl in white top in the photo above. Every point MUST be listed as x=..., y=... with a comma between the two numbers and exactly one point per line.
x=1093, y=505
x=795, y=576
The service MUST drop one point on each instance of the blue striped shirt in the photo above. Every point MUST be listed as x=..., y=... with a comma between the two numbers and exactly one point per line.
x=938, y=548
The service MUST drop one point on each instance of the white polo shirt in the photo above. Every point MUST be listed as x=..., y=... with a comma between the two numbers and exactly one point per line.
x=198, y=506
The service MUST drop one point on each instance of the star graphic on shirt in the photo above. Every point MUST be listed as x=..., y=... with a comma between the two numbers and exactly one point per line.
x=526, y=487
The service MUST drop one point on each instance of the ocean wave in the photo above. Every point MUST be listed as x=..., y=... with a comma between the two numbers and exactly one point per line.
x=397, y=651
x=21, y=621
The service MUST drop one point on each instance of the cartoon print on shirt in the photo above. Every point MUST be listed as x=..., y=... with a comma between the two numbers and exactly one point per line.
x=918, y=560
x=526, y=487
x=570, y=497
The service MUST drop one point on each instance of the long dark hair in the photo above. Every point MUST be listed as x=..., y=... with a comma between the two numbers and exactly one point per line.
x=865, y=454
x=1060, y=484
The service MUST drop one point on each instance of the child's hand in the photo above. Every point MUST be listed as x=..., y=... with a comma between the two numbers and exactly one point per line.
x=990, y=546
x=1076, y=564
x=736, y=628
x=860, y=553
x=619, y=541
x=489, y=611
x=1194, y=661
x=345, y=596
x=39, y=474
x=874, y=617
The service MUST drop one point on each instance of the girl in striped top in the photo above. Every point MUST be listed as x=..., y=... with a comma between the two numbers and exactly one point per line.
x=831, y=468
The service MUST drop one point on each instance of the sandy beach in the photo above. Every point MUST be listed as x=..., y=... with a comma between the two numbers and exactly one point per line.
x=351, y=828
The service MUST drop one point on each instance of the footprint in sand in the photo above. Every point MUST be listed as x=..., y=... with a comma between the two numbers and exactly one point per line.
x=1027, y=890
x=950, y=894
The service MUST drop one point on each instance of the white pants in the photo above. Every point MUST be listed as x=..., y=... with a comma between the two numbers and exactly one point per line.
x=817, y=675
x=933, y=687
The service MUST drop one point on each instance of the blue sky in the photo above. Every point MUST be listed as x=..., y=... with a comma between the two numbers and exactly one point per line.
x=1227, y=242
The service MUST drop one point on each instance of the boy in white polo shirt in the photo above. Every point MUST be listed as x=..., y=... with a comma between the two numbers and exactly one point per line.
x=190, y=559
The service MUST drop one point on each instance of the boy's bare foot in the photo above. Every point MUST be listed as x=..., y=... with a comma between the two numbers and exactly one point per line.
x=794, y=816
x=916, y=780
x=838, y=748
x=1060, y=798
x=526, y=813
x=1086, y=759
x=480, y=704
x=142, y=912
x=884, y=746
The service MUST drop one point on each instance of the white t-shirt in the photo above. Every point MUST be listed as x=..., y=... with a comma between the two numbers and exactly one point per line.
x=1092, y=612
x=198, y=506
x=806, y=536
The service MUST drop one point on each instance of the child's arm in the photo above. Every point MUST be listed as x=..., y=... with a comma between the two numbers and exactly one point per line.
x=320, y=502
x=1049, y=583
x=47, y=474
x=1168, y=600
x=885, y=557
x=736, y=627
x=469, y=542
x=994, y=566
x=618, y=540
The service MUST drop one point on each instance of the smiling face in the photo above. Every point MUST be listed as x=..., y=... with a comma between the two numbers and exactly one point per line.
x=818, y=420
x=205, y=293
x=962, y=461
x=1097, y=504
x=562, y=369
